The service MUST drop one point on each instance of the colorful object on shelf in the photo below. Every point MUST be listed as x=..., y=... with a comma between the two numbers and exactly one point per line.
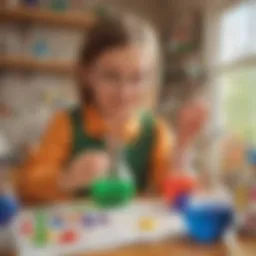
x=40, y=49
x=8, y=209
x=184, y=36
x=31, y=3
x=177, y=190
x=207, y=221
x=59, y=5
x=111, y=192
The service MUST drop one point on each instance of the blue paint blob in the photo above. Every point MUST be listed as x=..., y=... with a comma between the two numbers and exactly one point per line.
x=89, y=220
x=57, y=222
x=181, y=202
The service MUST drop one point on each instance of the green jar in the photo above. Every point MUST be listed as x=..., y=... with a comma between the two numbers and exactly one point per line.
x=112, y=191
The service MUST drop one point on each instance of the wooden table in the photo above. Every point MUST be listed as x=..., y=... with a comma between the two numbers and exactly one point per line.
x=244, y=247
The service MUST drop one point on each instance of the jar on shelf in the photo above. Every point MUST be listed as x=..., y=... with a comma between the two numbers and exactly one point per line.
x=59, y=5
x=31, y=3
x=10, y=4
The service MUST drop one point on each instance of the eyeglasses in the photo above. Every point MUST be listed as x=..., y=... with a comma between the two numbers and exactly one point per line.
x=115, y=78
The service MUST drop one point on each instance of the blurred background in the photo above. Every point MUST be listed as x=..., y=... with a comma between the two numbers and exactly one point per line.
x=208, y=48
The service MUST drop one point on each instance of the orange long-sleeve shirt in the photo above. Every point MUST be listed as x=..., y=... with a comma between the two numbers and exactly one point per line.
x=38, y=178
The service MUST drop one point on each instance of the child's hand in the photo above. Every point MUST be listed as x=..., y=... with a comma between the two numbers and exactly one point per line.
x=191, y=119
x=84, y=169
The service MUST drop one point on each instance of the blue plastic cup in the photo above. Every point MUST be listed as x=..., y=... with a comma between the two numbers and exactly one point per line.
x=208, y=222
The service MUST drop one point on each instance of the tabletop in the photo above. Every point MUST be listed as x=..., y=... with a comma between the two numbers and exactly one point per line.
x=244, y=246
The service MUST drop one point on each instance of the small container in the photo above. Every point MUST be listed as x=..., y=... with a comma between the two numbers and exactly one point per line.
x=59, y=5
x=112, y=192
x=40, y=49
x=208, y=217
x=31, y=3
x=118, y=188
x=177, y=191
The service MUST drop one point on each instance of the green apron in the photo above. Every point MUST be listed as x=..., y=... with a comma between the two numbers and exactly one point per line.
x=137, y=154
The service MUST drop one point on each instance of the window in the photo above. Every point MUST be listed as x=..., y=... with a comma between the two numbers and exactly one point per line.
x=236, y=69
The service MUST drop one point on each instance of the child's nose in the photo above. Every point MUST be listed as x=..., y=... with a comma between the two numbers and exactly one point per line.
x=125, y=89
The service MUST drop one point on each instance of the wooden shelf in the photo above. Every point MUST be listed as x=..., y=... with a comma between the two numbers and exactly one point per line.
x=30, y=64
x=80, y=20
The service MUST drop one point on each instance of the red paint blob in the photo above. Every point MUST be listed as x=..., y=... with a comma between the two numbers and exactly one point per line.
x=68, y=237
x=176, y=186
x=26, y=228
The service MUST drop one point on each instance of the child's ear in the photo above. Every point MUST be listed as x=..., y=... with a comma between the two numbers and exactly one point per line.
x=85, y=75
x=81, y=72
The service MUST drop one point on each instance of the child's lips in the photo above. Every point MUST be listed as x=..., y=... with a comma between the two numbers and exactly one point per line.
x=125, y=127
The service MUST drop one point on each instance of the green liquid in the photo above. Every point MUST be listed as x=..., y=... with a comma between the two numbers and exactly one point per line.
x=112, y=192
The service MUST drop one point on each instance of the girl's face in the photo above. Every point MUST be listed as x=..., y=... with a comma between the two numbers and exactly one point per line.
x=118, y=80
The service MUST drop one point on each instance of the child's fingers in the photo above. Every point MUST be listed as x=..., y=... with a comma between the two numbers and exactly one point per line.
x=87, y=168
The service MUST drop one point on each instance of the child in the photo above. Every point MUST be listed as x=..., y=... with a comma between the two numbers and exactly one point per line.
x=116, y=66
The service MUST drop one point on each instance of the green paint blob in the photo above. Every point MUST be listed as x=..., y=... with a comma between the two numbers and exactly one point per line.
x=40, y=236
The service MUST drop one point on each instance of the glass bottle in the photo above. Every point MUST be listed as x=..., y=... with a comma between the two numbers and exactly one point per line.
x=118, y=187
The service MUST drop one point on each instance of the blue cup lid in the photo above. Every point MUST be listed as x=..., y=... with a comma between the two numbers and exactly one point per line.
x=215, y=199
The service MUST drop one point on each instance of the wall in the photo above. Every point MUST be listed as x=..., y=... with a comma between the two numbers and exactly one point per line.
x=206, y=147
x=152, y=10
x=177, y=92
x=32, y=97
x=34, y=90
